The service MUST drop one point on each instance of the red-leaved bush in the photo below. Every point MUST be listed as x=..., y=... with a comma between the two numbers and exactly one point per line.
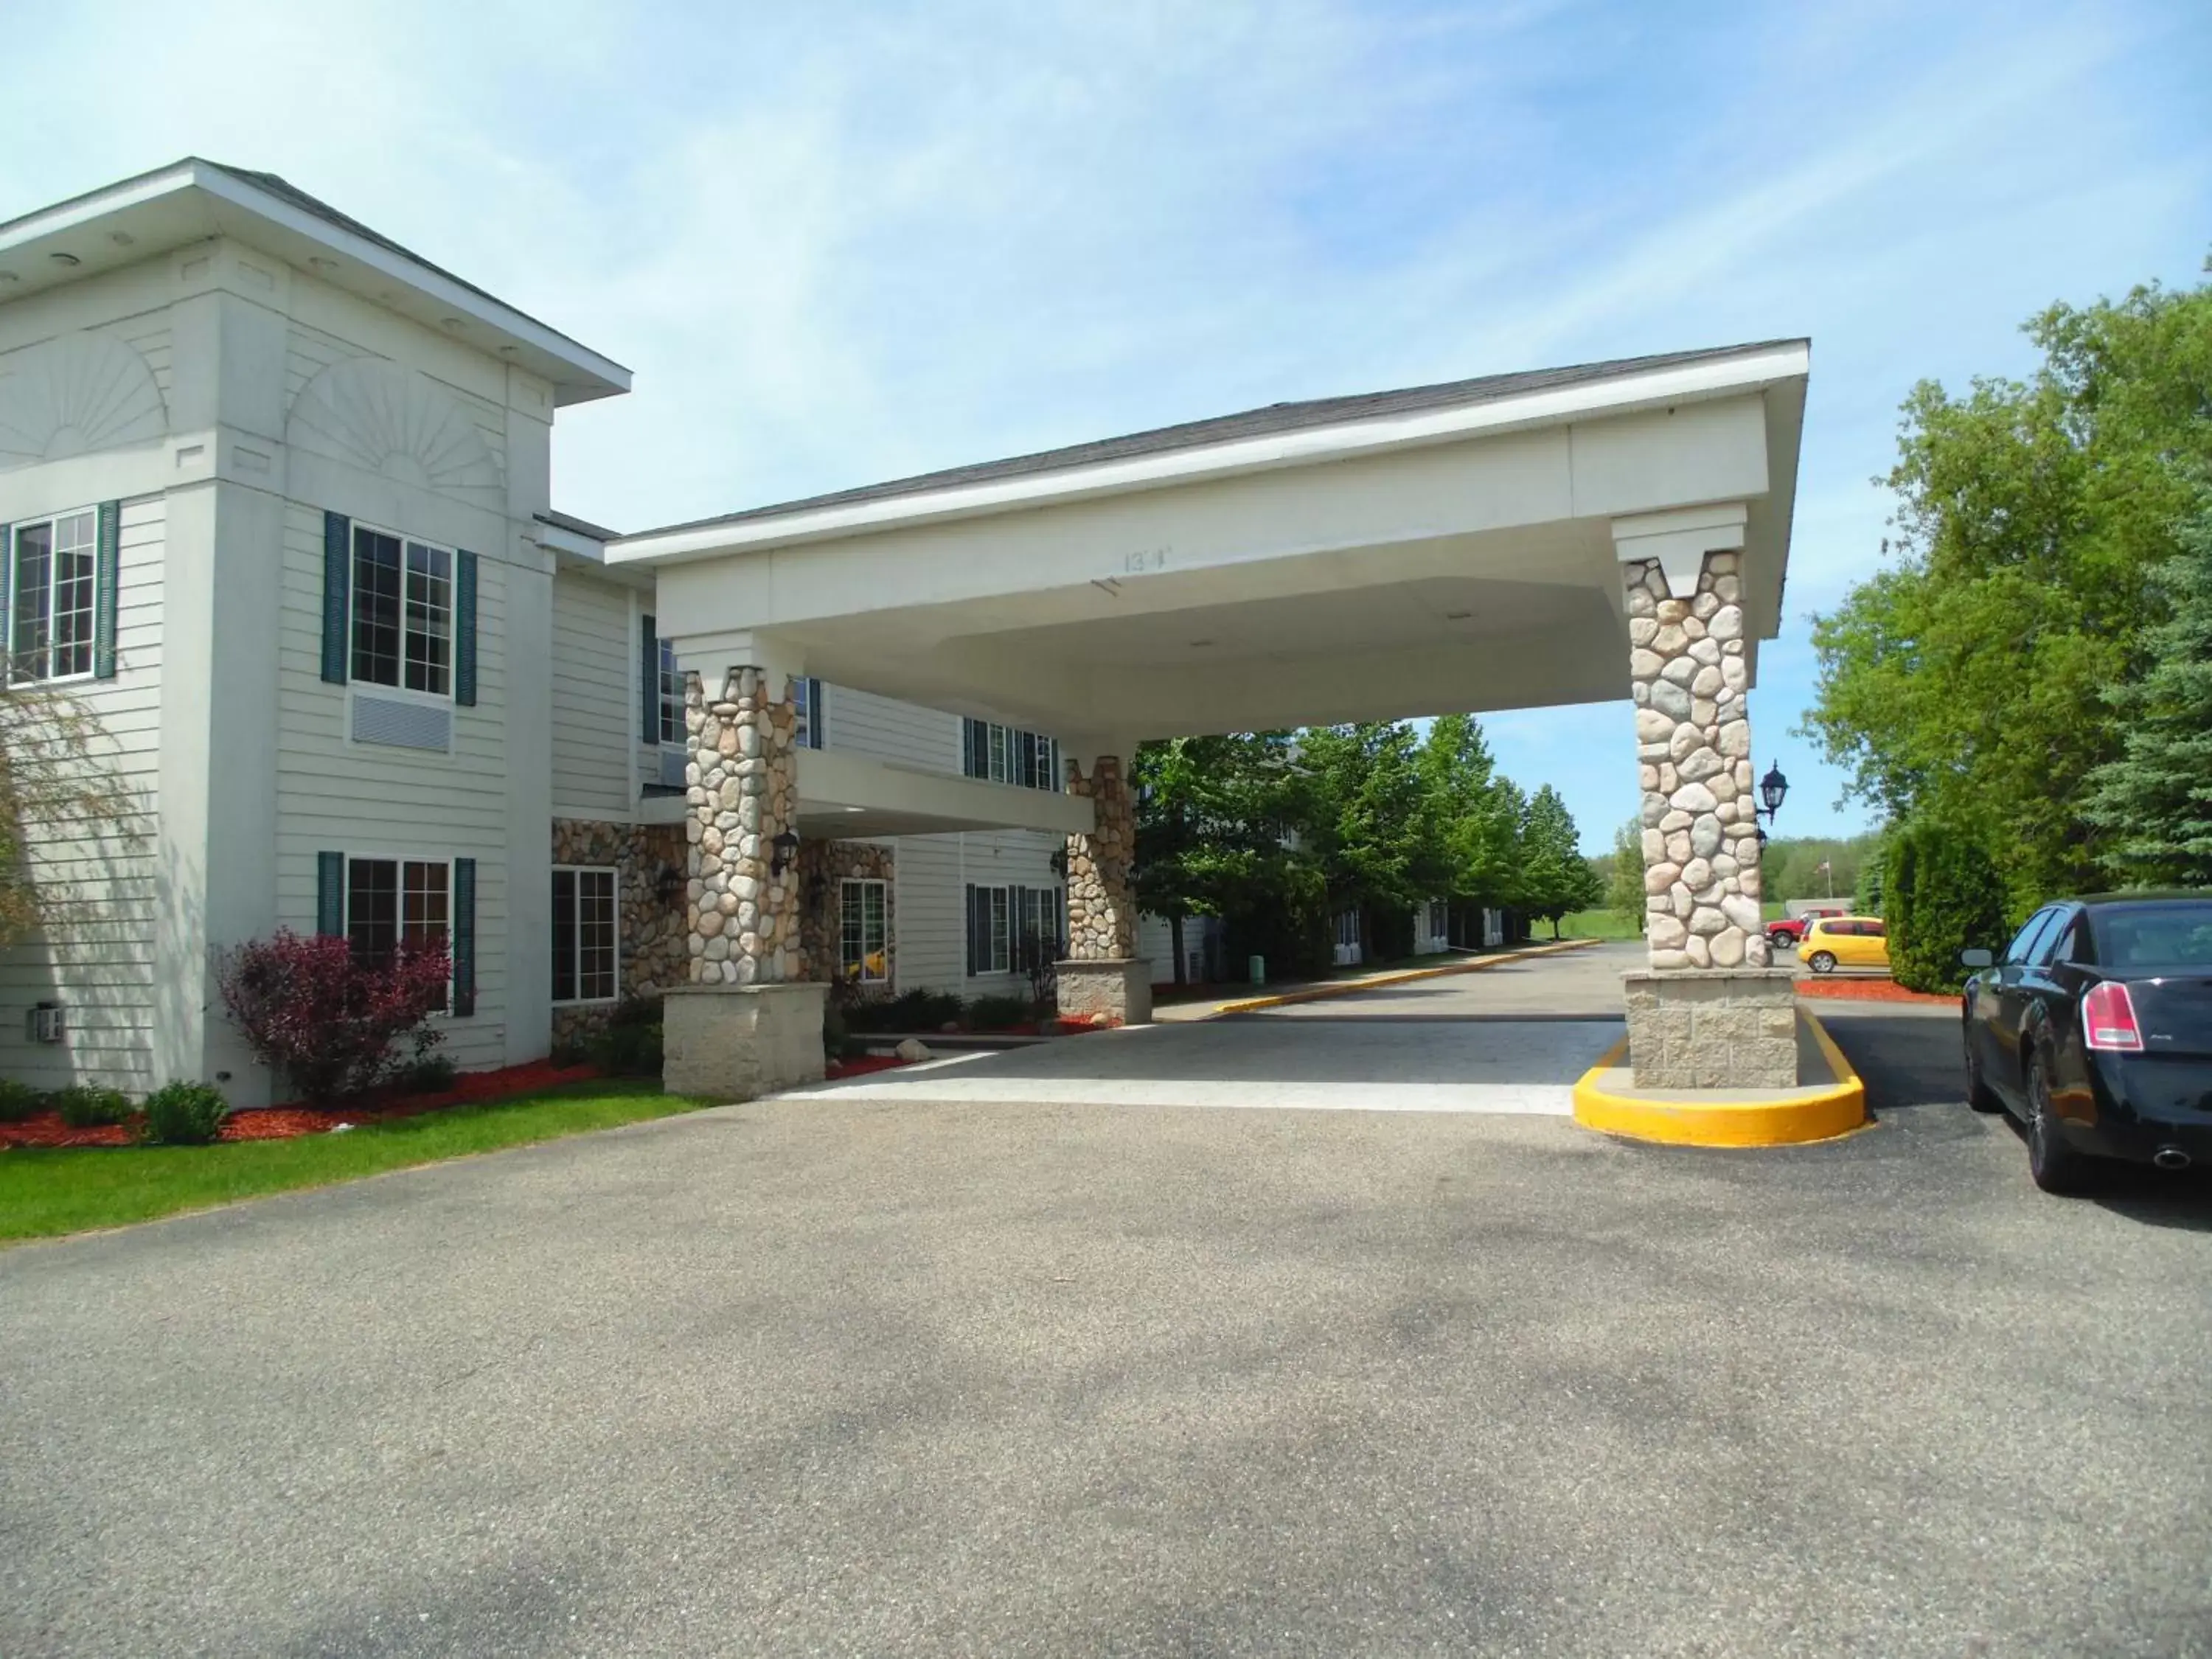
x=328, y=1021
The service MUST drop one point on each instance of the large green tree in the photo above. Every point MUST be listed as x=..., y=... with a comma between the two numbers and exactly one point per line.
x=1556, y=877
x=2153, y=802
x=1368, y=821
x=1475, y=814
x=1967, y=682
x=1215, y=817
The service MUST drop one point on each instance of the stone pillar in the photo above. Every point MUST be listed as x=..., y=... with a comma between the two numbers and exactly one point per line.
x=743, y=787
x=1711, y=1011
x=1102, y=980
x=748, y=1022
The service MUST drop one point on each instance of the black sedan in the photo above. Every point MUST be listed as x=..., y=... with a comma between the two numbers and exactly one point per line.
x=2095, y=1030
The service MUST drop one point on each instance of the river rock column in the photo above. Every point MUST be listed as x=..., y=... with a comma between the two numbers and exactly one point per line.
x=1102, y=980
x=1712, y=1012
x=741, y=785
x=1693, y=753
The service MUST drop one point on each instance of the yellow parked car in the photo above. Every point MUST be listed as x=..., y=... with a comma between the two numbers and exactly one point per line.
x=1833, y=942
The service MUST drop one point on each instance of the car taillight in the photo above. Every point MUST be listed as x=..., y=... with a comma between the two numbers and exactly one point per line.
x=2108, y=1019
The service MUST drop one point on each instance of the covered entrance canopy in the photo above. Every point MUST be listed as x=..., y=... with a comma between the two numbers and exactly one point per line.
x=1611, y=531
x=1443, y=549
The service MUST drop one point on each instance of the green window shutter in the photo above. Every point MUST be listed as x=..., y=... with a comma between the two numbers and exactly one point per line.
x=106, y=571
x=7, y=590
x=337, y=571
x=465, y=630
x=979, y=928
x=648, y=680
x=465, y=937
x=330, y=895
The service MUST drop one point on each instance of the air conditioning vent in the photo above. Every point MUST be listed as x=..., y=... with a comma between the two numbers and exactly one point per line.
x=45, y=1024
x=402, y=724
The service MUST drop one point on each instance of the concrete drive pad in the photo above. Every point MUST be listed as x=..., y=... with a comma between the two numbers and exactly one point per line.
x=1355, y=1064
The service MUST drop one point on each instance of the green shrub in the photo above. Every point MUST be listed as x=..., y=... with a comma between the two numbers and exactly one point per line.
x=996, y=1013
x=432, y=1074
x=84, y=1107
x=628, y=1050
x=910, y=1011
x=1940, y=894
x=183, y=1114
x=574, y=1052
x=19, y=1101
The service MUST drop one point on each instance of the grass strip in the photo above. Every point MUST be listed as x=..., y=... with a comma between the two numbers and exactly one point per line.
x=46, y=1192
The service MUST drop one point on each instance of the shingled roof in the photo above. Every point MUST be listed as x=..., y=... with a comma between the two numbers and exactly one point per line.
x=1251, y=423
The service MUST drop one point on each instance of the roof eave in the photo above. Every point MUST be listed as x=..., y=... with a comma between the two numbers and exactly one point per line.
x=242, y=209
x=1612, y=395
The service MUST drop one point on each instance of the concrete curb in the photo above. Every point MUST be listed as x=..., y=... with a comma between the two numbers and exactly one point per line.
x=1678, y=1118
x=1351, y=987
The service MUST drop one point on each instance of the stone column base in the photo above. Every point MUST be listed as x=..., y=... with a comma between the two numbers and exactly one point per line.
x=1712, y=1029
x=737, y=1042
x=1115, y=991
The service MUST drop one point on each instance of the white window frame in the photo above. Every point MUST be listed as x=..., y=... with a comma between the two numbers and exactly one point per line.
x=810, y=729
x=354, y=679
x=614, y=914
x=18, y=673
x=846, y=887
x=670, y=726
x=402, y=860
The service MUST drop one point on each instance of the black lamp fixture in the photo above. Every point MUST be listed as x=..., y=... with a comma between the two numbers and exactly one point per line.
x=1058, y=862
x=1771, y=789
x=670, y=886
x=782, y=850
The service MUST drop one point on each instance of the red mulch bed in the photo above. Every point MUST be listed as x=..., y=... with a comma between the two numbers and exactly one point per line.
x=861, y=1066
x=1869, y=990
x=283, y=1122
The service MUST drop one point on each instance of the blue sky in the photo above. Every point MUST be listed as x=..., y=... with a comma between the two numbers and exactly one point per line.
x=844, y=242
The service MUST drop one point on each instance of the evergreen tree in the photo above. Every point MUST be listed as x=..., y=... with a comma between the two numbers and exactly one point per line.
x=2155, y=800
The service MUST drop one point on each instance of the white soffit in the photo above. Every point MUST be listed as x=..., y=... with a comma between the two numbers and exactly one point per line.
x=1626, y=393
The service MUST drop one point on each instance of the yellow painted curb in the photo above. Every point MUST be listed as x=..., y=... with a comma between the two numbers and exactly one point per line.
x=1347, y=988
x=1782, y=1121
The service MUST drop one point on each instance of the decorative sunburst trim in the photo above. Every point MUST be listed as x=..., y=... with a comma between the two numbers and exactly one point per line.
x=73, y=395
x=391, y=420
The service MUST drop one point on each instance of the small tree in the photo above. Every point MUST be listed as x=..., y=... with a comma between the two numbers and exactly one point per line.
x=1943, y=895
x=1623, y=892
x=328, y=1018
x=58, y=784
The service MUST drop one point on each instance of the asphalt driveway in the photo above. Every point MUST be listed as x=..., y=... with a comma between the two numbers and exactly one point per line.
x=845, y=1376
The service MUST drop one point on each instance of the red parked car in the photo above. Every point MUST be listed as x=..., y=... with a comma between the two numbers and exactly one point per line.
x=1787, y=932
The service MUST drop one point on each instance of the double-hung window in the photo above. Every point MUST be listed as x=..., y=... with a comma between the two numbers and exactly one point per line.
x=864, y=933
x=1015, y=929
x=671, y=703
x=1005, y=753
x=395, y=902
x=52, y=606
x=402, y=613
x=584, y=933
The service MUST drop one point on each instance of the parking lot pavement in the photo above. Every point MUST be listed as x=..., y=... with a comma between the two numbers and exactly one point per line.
x=836, y=1375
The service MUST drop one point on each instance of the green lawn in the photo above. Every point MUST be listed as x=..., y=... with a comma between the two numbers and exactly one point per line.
x=1588, y=924
x=44, y=1192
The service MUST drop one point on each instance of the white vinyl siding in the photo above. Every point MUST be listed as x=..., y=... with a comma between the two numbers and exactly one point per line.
x=861, y=723
x=930, y=916
x=371, y=801
x=99, y=963
x=595, y=710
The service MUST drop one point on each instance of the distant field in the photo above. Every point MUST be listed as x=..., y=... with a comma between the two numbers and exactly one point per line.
x=1589, y=924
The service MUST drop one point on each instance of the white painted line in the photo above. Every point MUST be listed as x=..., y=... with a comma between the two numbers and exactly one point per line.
x=1512, y=1099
